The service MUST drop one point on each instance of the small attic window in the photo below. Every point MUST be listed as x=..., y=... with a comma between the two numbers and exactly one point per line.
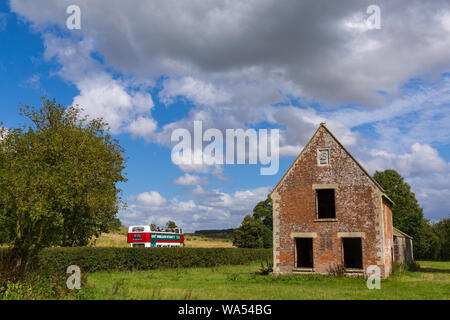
x=323, y=157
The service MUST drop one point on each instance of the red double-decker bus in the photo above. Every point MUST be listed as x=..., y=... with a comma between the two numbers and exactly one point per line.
x=144, y=236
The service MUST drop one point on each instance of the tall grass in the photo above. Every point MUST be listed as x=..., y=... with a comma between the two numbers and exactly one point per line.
x=246, y=282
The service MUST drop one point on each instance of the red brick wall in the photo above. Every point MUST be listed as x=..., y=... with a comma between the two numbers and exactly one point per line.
x=358, y=209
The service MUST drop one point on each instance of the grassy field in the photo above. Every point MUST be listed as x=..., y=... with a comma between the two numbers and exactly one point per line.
x=194, y=241
x=432, y=281
x=119, y=239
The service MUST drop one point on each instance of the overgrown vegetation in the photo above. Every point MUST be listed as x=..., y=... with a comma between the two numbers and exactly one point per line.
x=266, y=268
x=38, y=286
x=401, y=268
x=336, y=270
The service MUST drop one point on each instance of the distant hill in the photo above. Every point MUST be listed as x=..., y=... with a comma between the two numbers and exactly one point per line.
x=220, y=233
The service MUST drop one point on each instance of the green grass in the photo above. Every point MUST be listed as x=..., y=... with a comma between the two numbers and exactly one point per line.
x=432, y=281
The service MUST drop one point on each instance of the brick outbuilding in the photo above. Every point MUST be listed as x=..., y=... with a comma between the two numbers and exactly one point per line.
x=403, y=247
x=329, y=212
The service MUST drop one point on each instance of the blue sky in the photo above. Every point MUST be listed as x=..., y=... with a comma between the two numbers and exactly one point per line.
x=152, y=67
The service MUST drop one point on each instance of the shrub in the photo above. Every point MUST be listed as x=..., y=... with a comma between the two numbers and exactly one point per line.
x=398, y=268
x=267, y=268
x=34, y=286
x=336, y=270
x=414, y=266
x=56, y=260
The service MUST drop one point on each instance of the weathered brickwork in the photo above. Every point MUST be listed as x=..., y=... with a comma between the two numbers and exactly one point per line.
x=388, y=237
x=360, y=207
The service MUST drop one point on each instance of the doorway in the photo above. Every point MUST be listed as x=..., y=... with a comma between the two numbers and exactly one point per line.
x=304, y=250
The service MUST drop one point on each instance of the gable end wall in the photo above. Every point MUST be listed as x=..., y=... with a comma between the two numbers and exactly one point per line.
x=359, y=210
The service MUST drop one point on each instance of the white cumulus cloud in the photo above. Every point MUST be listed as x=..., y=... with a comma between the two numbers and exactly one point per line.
x=190, y=180
x=420, y=159
x=148, y=199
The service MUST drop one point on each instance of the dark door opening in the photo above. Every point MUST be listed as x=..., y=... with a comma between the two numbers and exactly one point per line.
x=325, y=204
x=304, y=247
x=352, y=253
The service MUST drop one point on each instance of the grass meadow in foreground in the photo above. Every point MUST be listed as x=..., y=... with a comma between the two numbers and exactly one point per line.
x=432, y=281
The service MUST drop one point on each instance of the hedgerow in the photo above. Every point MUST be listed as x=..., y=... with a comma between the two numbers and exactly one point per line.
x=52, y=260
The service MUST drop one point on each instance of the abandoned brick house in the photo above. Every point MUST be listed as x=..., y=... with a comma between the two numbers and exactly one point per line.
x=328, y=211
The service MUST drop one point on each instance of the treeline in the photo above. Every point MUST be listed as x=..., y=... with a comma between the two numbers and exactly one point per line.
x=220, y=233
x=437, y=246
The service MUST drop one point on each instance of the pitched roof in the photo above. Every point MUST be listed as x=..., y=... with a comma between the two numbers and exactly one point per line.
x=400, y=234
x=323, y=125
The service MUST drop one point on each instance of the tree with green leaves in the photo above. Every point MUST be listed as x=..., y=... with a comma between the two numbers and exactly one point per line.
x=171, y=224
x=407, y=214
x=264, y=212
x=249, y=234
x=115, y=225
x=256, y=231
x=58, y=180
x=442, y=231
